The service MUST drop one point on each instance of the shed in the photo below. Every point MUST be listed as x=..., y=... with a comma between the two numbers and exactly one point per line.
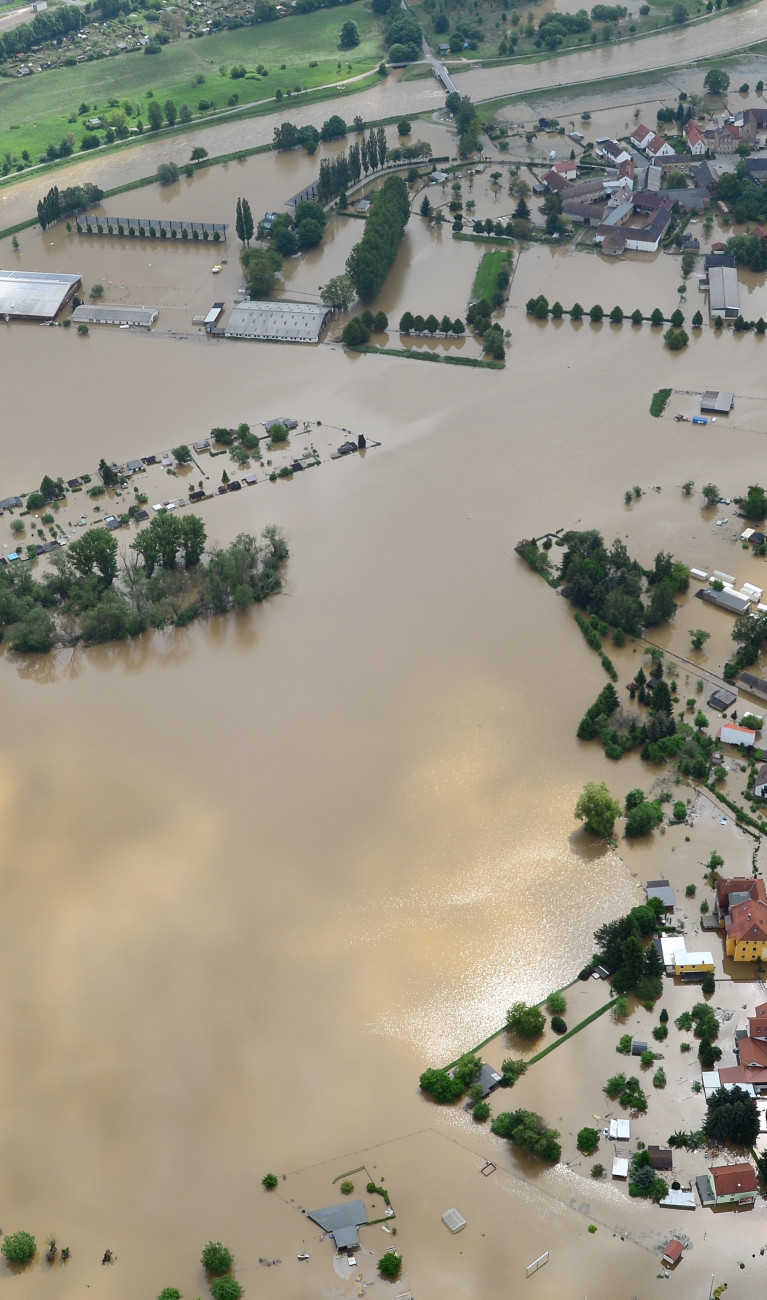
x=637, y=1047
x=710, y=1082
x=722, y=700
x=620, y=1129
x=454, y=1221
x=672, y=1253
x=717, y=402
x=74, y=482
x=660, y=1157
x=679, y=1200
x=724, y=291
x=705, y=1189
x=250, y=479
x=662, y=890
x=754, y=685
x=213, y=316
x=488, y=1078
x=620, y=1167
x=87, y=314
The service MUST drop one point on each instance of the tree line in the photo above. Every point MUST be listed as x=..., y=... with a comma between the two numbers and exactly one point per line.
x=166, y=580
x=370, y=259
x=60, y=203
x=46, y=26
x=336, y=174
x=410, y=324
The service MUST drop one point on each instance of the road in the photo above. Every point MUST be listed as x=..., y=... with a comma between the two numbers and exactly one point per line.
x=677, y=47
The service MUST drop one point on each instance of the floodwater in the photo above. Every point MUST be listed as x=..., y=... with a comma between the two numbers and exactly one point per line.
x=259, y=873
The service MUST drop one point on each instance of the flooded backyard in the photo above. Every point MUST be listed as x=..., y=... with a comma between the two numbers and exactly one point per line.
x=258, y=874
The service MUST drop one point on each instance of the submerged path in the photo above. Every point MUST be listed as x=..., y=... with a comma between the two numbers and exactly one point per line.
x=670, y=49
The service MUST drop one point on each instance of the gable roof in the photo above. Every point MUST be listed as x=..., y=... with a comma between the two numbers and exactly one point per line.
x=350, y=1214
x=656, y=144
x=642, y=132
x=753, y=1053
x=730, y=1179
x=752, y=886
x=556, y=181
x=747, y=922
x=693, y=134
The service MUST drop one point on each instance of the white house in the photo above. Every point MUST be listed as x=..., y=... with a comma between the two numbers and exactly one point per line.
x=608, y=148
x=660, y=148
x=695, y=142
x=567, y=168
x=642, y=136
x=731, y=734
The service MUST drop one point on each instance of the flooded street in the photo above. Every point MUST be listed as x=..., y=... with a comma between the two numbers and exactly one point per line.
x=258, y=874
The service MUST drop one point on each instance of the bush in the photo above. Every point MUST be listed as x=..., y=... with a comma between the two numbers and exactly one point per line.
x=558, y=1025
x=680, y=810
x=169, y=1293
x=269, y=1181
x=216, y=1259
x=660, y=1032
x=347, y=1187
x=659, y=1078
x=390, y=1264
x=225, y=1288
x=588, y=1140
x=556, y=1004
x=481, y=1112
x=709, y=983
x=441, y=1086
x=624, y=1046
x=19, y=1247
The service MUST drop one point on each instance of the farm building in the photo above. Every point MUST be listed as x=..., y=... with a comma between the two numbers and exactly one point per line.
x=278, y=322
x=90, y=315
x=35, y=295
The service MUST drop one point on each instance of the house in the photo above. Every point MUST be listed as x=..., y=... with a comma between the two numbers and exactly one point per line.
x=721, y=700
x=756, y=169
x=689, y=966
x=662, y=890
x=567, y=168
x=555, y=181
x=620, y=1130
x=731, y=734
x=738, y=889
x=746, y=930
x=658, y=147
x=757, y=1023
x=363, y=206
x=584, y=214
x=488, y=1078
x=606, y=147
x=752, y=1079
x=695, y=142
x=672, y=1253
x=754, y=119
x=341, y=1222
x=760, y=784
x=660, y=1157
x=620, y=1167
x=728, y=599
x=734, y=1184
x=642, y=136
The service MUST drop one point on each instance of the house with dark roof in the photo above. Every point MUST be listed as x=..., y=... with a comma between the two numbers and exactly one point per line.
x=754, y=120
x=341, y=1222
x=662, y=890
x=660, y=1157
x=756, y=169
x=556, y=181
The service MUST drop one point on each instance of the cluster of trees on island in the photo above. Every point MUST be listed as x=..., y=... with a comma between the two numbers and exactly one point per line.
x=286, y=237
x=165, y=580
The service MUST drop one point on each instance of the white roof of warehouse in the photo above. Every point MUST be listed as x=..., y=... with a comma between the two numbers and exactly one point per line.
x=34, y=293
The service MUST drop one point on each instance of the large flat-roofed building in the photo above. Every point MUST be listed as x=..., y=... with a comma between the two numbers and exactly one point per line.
x=35, y=295
x=279, y=322
x=723, y=291
x=90, y=315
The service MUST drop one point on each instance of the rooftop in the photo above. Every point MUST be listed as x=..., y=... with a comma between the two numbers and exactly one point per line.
x=35, y=295
x=731, y=1179
x=284, y=322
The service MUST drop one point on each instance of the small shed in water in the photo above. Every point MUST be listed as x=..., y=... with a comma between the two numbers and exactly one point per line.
x=721, y=700
x=672, y=1253
x=620, y=1167
x=660, y=1157
x=454, y=1221
x=662, y=890
x=620, y=1129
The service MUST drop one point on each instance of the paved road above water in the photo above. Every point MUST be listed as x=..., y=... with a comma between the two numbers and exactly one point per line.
x=672, y=48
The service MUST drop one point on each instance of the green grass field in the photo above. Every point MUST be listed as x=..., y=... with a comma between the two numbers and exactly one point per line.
x=487, y=274
x=36, y=110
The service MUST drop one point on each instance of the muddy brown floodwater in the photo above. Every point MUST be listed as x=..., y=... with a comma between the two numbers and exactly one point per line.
x=257, y=874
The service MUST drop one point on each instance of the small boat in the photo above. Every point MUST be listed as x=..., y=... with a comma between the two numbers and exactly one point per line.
x=216, y=270
x=303, y=1255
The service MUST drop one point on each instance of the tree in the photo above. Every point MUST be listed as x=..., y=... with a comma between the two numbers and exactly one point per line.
x=154, y=113
x=216, y=1259
x=425, y=208
x=631, y=968
x=390, y=1264
x=109, y=476
x=710, y=494
x=656, y=317
x=269, y=1181
x=225, y=1288
x=34, y=634
x=198, y=153
x=350, y=35
x=96, y=549
x=732, y=1117
x=338, y=292
x=597, y=809
x=755, y=504
x=441, y=1086
x=643, y=819
x=676, y=339
x=97, y=291
x=185, y=113
x=597, y=312
x=182, y=454
x=169, y=1293
x=18, y=1247
x=170, y=112
x=167, y=173
x=587, y=1140
x=708, y=984
x=716, y=81
x=528, y=1131
x=556, y=1004
x=192, y=537
x=525, y=1021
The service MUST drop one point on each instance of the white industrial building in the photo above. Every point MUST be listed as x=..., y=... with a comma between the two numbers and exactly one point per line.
x=35, y=295
x=279, y=321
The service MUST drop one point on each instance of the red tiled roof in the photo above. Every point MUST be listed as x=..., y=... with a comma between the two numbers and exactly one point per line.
x=753, y=1053
x=642, y=132
x=565, y=167
x=693, y=134
x=748, y=922
x=753, y=886
x=729, y=1179
x=673, y=1250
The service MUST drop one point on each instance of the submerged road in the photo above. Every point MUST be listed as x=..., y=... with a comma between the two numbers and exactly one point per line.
x=673, y=48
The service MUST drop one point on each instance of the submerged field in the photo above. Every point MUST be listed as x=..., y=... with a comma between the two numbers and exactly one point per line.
x=298, y=53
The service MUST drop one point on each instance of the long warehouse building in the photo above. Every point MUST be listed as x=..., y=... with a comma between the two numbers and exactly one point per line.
x=35, y=295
